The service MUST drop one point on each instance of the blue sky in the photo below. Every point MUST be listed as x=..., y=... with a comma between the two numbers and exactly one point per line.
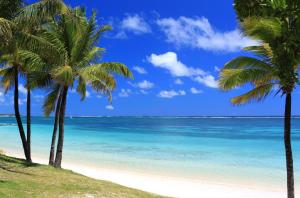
x=175, y=49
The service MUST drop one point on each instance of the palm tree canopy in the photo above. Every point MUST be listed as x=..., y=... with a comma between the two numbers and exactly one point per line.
x=77, y=57
x=9, y=9
x=259, y=71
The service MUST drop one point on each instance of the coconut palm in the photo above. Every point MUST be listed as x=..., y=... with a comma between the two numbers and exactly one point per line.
x=9, y=9
x=18, y=38
x=273, y=67
x=78, y=64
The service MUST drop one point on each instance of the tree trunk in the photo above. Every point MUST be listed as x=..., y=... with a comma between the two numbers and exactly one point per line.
x=60, y=143
x=52, y=149
x=18, y=117
x=288, y=146
x=28, y=120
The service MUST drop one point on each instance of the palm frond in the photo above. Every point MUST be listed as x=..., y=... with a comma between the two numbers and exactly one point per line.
x=37, y=13
x=63, y=75
x=113, y=68
x=50, y=101
x=266, y=30
x=81, y=87
x=263, y=51
x=6, y=30
x=259, y=93
x=90, y=56
x=247, y=62
x=233, y=78
x=8, y=75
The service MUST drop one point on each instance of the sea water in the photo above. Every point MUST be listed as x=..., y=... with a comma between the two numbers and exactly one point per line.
x=247, y=149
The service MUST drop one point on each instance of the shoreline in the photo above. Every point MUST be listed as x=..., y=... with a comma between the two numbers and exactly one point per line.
x=168, y=186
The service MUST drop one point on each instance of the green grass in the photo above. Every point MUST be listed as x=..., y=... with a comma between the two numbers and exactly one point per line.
x=19, y=179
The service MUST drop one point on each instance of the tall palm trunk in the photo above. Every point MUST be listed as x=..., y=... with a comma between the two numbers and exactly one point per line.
x=288, y=146
x=28, y=119
x=52, y=149
x=18, y=117
x=60, y=143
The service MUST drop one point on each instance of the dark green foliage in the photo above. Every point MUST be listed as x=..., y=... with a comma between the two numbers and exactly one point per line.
x=9, y=8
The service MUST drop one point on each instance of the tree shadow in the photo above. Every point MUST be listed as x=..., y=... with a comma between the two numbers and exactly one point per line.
x=18, y=161
x=13, y=165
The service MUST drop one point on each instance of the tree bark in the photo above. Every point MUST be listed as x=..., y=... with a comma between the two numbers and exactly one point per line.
x=288, y=146
x=18, y=117
x=60, y=143
x=52, y=149
x=28, y=120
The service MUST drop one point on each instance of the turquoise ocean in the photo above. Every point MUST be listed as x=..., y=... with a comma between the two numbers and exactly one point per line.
x=247, y=149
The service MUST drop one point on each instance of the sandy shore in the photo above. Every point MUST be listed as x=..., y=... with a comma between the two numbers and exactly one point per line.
x=170, y=186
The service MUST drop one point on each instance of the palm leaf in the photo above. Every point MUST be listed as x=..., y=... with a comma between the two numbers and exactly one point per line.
x=232, y=78
x=257, y=94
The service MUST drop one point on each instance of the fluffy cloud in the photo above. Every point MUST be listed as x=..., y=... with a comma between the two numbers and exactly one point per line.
x=178, y=81
x=109, y=107
x=171, y=93
x=38, y=98
x=2, y=98
x=199, y=33
x=195, y=91
x=208, y=81
x=145, y=84
x=170, y=62
x=125, y=93
x=22, y=101
x=22, y=89
x=144, y=92
x=135, y=24
x=87, y=94
x=139, y=70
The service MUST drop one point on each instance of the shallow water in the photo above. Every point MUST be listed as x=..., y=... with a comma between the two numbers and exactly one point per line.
x=249, y=150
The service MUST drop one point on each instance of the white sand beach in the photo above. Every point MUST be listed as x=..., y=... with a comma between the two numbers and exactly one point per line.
x=170, y=186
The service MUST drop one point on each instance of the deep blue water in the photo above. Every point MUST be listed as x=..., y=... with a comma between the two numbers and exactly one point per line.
x=250, y=149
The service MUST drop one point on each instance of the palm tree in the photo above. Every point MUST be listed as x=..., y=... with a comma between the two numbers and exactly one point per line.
x=75, y=38
x=18, y=38
x=273, y=67
x=9, y=9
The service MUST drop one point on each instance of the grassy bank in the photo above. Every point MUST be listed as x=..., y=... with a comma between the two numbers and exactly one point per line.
x=19, y=179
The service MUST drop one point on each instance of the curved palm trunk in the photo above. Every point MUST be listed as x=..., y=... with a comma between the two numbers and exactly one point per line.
x=60, y=143
x=52, y=149
x=18, y=117
x=288, y=146
x=28, y=120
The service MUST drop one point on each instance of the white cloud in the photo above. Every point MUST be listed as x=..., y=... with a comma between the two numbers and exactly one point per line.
x=145, y=84
x=195, y=91
x=135, y=24
x=22, y=89
x=208, y=81
x=217, y=69
x=170, y=62
x=109, y=107
x=38, y=98
x=2, y=97
x=198, y=33
x=139, y=70
x=87, y=94
x=125, y=93
x=178, y=81
x=171, y=93
x=143, y=92
x=22, y=101
x=98, y=96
